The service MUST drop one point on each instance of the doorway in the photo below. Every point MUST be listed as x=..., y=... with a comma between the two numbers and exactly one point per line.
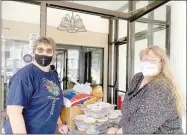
x=83, y=64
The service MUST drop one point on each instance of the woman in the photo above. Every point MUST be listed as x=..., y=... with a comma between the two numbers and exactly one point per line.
x=35, y=98
x=153, y=103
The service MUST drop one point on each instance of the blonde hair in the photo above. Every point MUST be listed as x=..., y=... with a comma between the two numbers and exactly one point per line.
x=44, y=40
x=167, y=73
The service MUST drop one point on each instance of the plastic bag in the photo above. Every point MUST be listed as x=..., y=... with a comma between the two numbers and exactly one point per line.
x=79, y=98
x=96, y=95
x=83, y=88
x=69, y=94
x=67, y=102
x=97, y=92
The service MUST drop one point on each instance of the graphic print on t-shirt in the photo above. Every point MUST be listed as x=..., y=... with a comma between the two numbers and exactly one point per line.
x=51, y=86
x=54, y=90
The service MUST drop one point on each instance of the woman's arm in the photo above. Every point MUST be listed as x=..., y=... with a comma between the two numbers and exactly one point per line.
x=16, y=119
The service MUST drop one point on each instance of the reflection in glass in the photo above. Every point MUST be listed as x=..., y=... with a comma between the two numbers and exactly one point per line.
x=95, y=64
x=67, y=65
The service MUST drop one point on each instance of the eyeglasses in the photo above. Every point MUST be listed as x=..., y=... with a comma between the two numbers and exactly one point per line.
x=151, y=59
x=42, y=50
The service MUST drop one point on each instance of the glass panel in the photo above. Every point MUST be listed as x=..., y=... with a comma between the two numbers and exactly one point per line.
x=141, y=40
x=139, y=45
x=141, y=4
x=59, y=63
x=122, y=28
x=160, y=13
x=139, y=27
x=122, y=56
x=67, y=66
x=60, y=59
x=73, y=66
x=89, y=70
x=160, y=38
x=95, y=56
x=14, y=53
x=158, y=31
x=122, y=67
x=157, y=14
x=19, y=29
x=17, y=32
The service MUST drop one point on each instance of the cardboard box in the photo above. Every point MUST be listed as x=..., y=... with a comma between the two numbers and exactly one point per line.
x=68, y=113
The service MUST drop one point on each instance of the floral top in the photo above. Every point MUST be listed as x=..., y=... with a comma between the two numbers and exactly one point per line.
x=150, y=109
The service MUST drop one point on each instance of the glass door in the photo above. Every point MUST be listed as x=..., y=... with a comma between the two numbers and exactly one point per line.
x=61, y=66
x=83, y=64
x=93, y=66
x=67, y=64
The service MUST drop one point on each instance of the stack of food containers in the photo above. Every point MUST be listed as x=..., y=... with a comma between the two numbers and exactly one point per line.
x=97, y=118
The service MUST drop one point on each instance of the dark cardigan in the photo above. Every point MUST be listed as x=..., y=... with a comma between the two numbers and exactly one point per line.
x=151, y=109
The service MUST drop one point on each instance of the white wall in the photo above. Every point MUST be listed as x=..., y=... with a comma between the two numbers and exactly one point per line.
x=29, y=13
x=178, y=45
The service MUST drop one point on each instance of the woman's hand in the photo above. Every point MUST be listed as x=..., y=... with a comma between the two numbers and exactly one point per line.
x=112, y=130
x=63, y=129
x=119, y=131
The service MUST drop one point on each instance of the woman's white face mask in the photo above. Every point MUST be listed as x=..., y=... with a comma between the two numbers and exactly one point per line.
x=149, y=69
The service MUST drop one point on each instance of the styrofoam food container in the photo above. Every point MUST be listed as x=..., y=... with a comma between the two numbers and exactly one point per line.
x=89, y=106
x=92, y=128
x=101, y=103
x=81, y=129
x=96, y=108
x=90, y=120
x=81, y=125
x=113, y=115
x=89, y=131
x=102, y=120
x=119, y=113
x=80, y=117
x=95, y=114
